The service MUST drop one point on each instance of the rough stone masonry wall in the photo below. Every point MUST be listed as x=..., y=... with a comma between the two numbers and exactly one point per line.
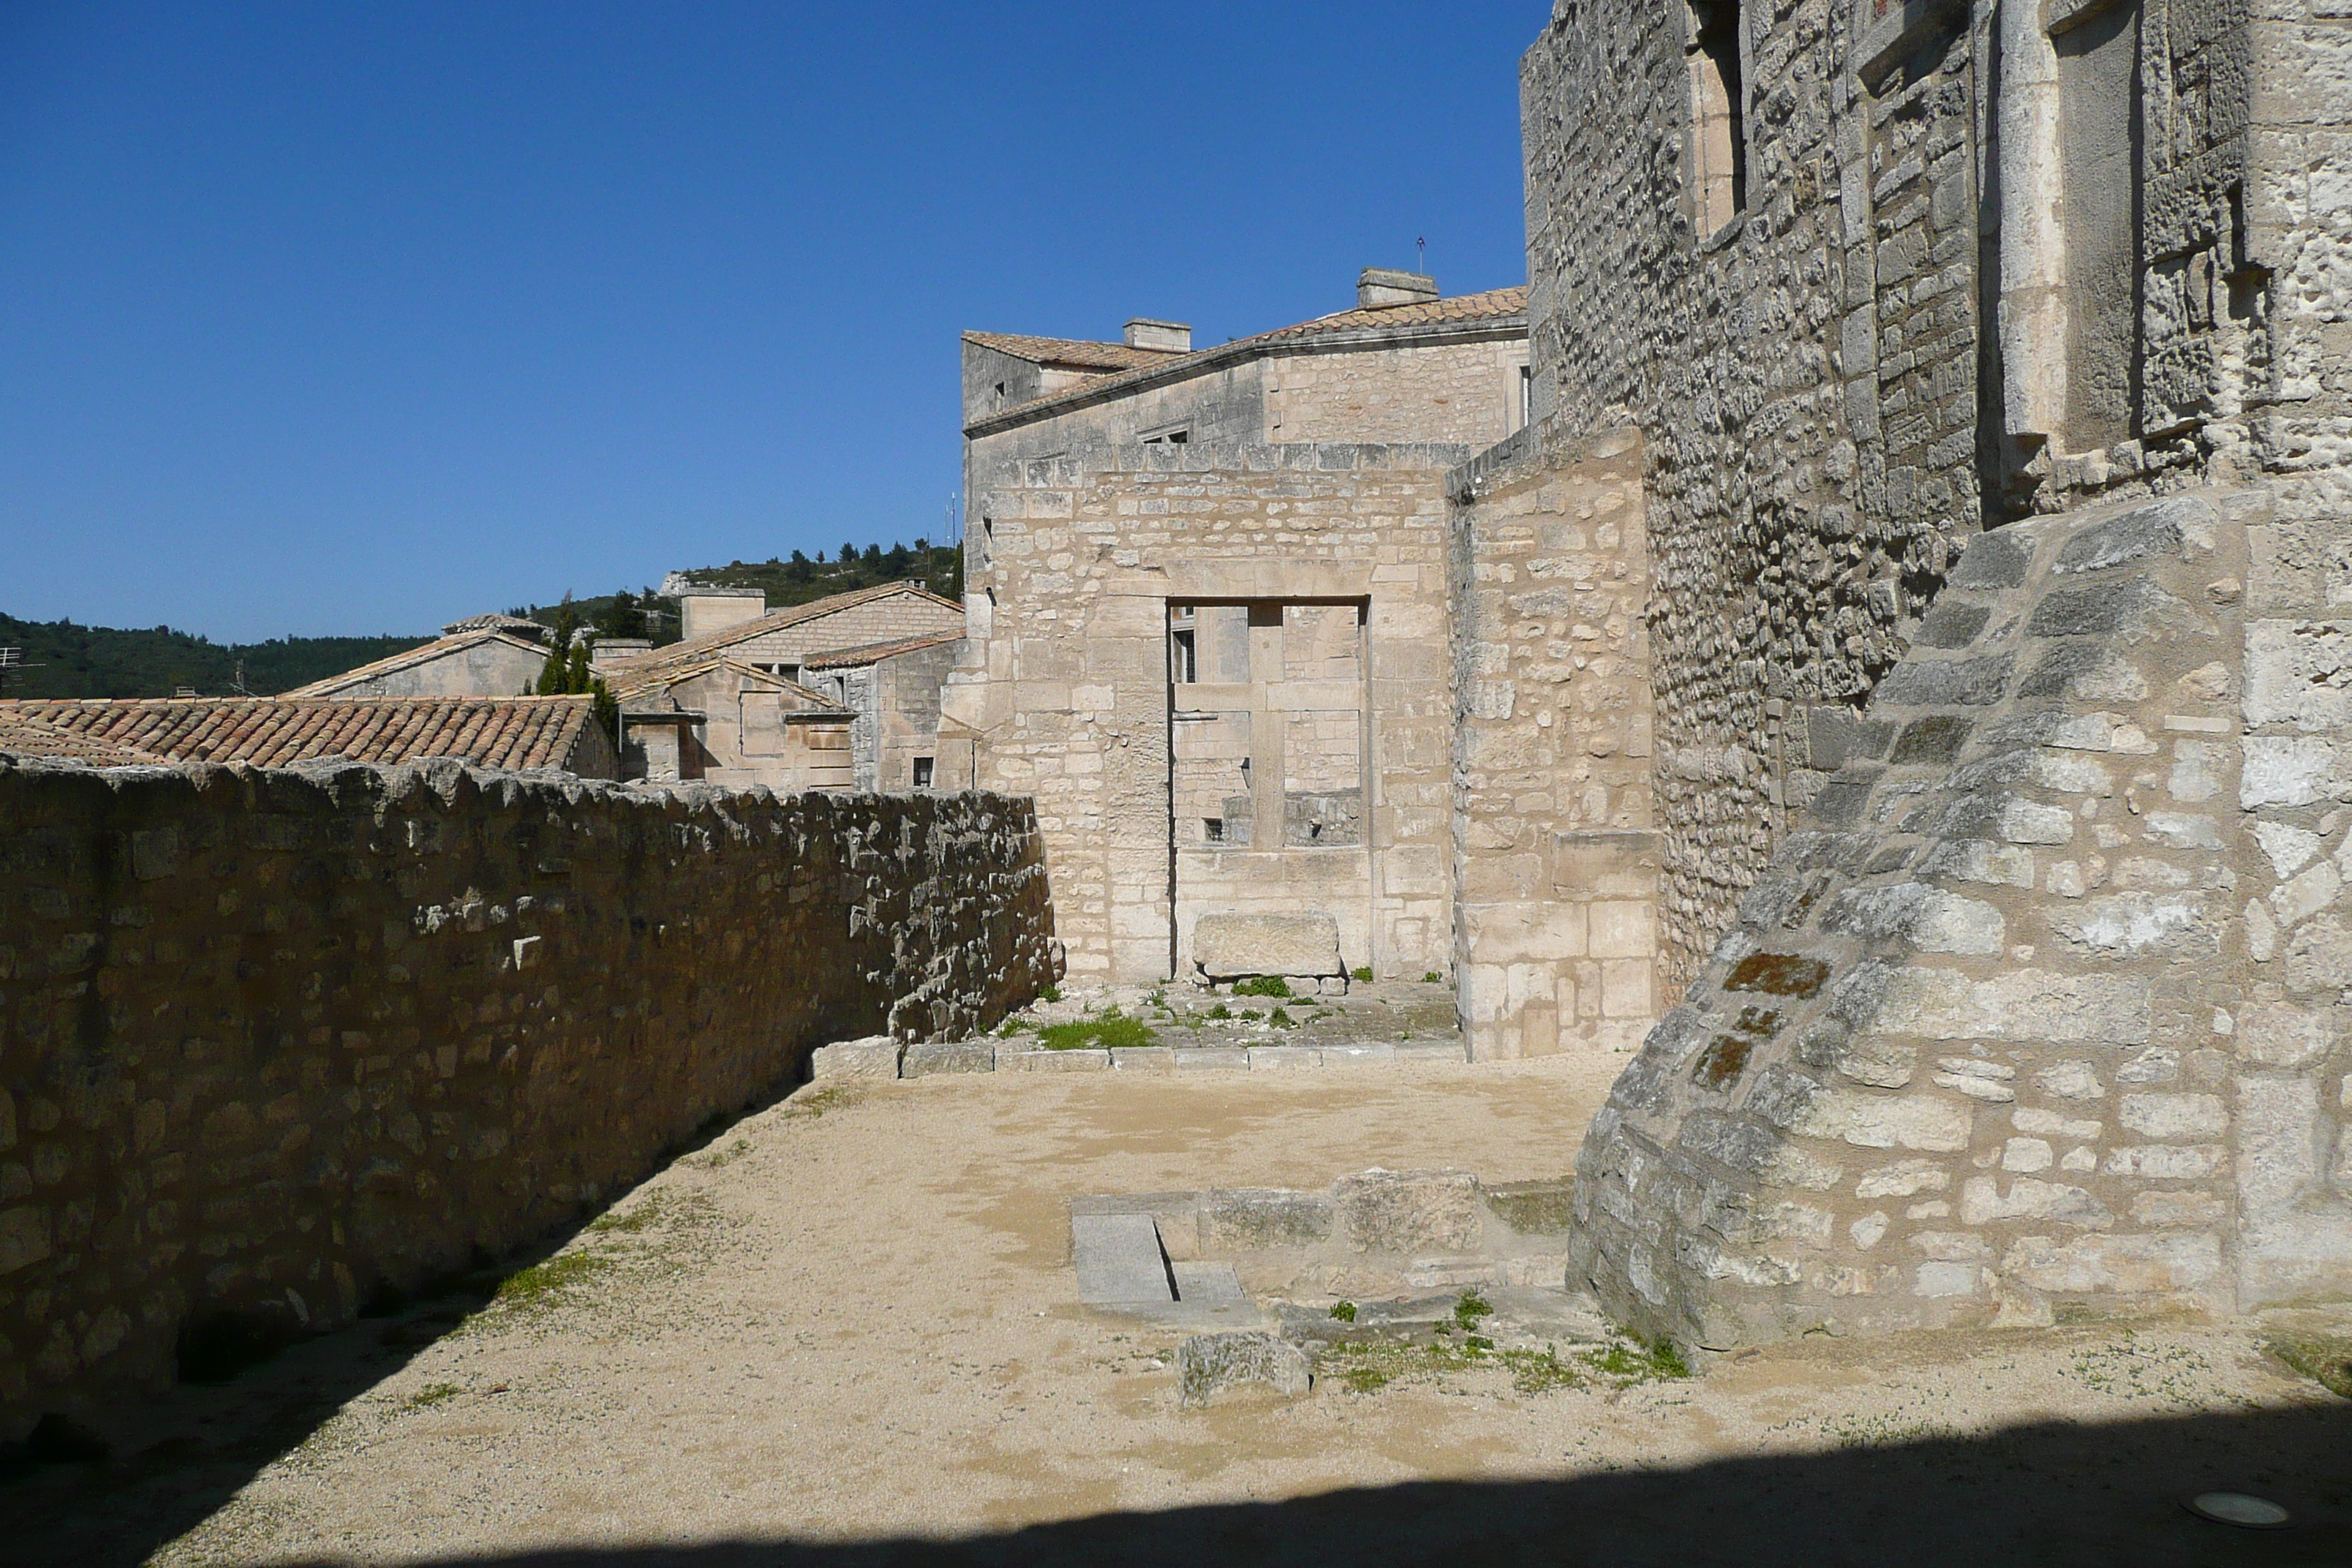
x=1556, y=864
x=1068, y=676
x=2038, y=1010
x=268, y=1040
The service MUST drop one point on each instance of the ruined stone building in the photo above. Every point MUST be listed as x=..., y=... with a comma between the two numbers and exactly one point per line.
x=1922, y=587
x=839, y=693
x=1206, y=592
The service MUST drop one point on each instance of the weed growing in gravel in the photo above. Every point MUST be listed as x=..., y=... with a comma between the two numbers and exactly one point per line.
x=813, y=1101
x=544, y=1284
x=1050, y=994
x=1344, y=1311
x=1364, y=1366
x=1361, y=972
x=1109, y=1030
x=1261, y=986
x=2130, y=1370
x=1010, y=1028
x=433, y=1394
x=1855, y=1431
x=1220, y=1012
x=1471, y=1308
x=1632, y=1362
x=1280, y=1019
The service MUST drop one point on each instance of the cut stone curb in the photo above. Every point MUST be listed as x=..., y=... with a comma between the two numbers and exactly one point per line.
x=875, y=1055
x=962, y=1055
x=1209, y=1366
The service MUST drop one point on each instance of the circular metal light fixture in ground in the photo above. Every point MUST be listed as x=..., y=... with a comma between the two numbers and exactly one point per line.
x=2238, y=1508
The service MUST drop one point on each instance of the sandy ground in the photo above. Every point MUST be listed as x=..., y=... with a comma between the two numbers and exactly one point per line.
x=851, y=1317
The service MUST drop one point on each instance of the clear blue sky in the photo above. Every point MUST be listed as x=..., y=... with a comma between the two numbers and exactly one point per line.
x=341, y=318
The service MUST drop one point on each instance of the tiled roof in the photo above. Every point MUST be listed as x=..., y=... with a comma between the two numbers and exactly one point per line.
x=1074, y=353
x=1463, y=309
x=272, y=731
x=495, y=622
x=847, y=657
x=25, y=736
x=437, y=649
x=645, y=693
x=657, y=665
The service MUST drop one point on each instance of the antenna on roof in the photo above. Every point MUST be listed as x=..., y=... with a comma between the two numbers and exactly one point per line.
x=1420, y=252
x=237, y=681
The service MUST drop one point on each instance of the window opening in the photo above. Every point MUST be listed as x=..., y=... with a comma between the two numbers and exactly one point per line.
x=1718, y=112
x=1177, y=438
x=1182, y=658
x=922, y=773
x=1212, y=829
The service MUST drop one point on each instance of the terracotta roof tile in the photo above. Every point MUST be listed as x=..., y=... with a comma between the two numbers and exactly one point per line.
x=641, y=694
x=657, y=665
x=273, y=732
x=1077, y=353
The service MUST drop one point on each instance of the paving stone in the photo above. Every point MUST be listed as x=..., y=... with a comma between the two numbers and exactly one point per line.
x=960, y=1055
x=1431, y=1051
x=1210, y=1366
x=1051, y=1061
x=1376, y=1053
x=1118, y=1260
x=1142, y=1058
x=875, y=1055
x=1278, y=1059
x=1210, y=1059
x=1207, y=1282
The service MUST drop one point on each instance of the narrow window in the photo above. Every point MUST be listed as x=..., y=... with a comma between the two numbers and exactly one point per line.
x=1527, y=397
x=1212, y=829
x=1183, y=666
x=922, y=773
x=1718, y=109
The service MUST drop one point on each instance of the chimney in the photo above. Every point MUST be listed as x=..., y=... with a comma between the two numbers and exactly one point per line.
x=1170, y=337
x=1379, y=287
x=703, y=609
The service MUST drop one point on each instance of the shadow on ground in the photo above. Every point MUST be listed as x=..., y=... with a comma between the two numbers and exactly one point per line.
x=2048, y=1494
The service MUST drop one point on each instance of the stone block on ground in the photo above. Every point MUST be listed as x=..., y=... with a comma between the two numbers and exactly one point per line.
x=1430, y=1051
x=1372, y=1054
x=1534, y=1208
x=1210, y=1059
x=875, y=1055
x=1207, y=1282
x=1411, y=1212
x=958, y=1055
x=1118, y=1260
x=1141, y=1058
x=1240, y=1219
x=1232, y=947
x=1051, y=1061
x=1277, y=1059
x=1209, y=1366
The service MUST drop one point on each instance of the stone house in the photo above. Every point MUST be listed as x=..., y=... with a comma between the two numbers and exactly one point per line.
x=739, y=703
x=893, y=688
x=486, y=656
x=1916, y=610
x=510, y=732
x=716, y=719
x=1206, y=606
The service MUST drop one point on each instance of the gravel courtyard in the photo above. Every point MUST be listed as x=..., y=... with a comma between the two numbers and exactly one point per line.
x=851, y=1319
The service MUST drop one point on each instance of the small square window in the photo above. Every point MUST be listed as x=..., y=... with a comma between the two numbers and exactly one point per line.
x=1212, y=829
x=922, y=773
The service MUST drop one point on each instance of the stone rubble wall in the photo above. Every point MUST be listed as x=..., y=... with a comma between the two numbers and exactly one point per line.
x=1555, y=862
x=272, y=1040
x=2036, y=1010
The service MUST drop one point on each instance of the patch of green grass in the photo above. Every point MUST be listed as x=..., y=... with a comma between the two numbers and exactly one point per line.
x=1471, y=1308
x=1109, y=1031
x=433, y=1394
x=1433, y=978
x=1261, y=986
x=1344, y=1311
x=1540, y=1372
x=1010, y=1028
x=545, y=1284
x=1220, y=1012
x=1050, y=994
x=1632, y=1362
x=2327, y=1362
x=665, y=1208
x=1249, y=1016
x=2169, y=1374
x=1362, y=973
x=1281, y=1020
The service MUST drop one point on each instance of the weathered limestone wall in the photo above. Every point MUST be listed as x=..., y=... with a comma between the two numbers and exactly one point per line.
x=2037, y=1010
x=1067, y=692
x=268, y=1040
x=1555, y=862
x=1468, y=392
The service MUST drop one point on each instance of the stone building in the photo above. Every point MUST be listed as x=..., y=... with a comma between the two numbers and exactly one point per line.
x=1917, y=610
x=1206, y=606
x=486, y=656
x=510, y=732
x=738, y=700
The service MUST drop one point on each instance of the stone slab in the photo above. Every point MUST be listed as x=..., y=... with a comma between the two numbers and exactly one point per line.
x=1051, y=1061
x=1375, y=1054
x=947, y=1057
x=1118, y=1259
x=1208, y=1365
x=1283, y=1058
x=1211, y=1058
x=1207, y=1282
x=1409, y=1212
x=875, y=1055
x=1142, y=1058
x=1431, y=1051
x=1231, y=947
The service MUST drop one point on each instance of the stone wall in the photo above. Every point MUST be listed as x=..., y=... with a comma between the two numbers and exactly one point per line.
x=1556, y=864
x=2037, y=1009
x=271, y=1040
x=1075, y=563
x=1468, y=392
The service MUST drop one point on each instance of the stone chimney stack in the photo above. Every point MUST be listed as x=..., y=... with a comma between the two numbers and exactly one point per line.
x=1378, y=285
x=1174, y=337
